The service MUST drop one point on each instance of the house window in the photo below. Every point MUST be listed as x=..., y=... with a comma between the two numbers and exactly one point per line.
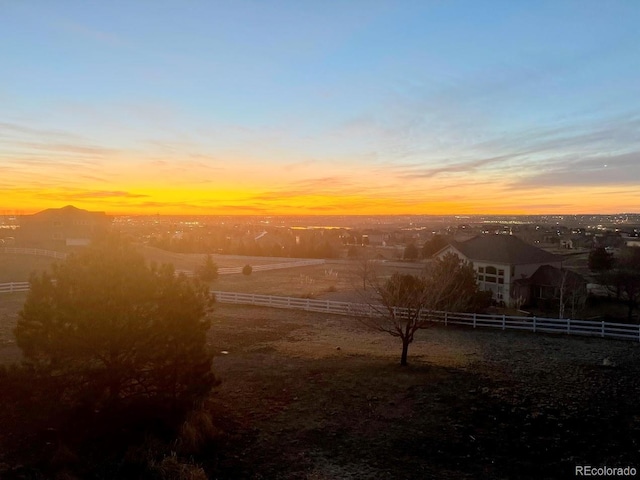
x=480, y=269
x=57, y=236
x=492, y=275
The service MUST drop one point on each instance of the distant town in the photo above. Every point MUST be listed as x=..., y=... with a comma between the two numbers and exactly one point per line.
x=327, y=236
x=561, y=266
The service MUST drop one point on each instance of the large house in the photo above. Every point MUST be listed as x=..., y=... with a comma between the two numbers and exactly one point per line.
x=62, y=228
x=500, y=260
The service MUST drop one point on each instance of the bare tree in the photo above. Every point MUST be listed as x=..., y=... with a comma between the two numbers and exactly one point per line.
x=365, y=270
x=365, y=265
x=572, y=292
x=403, y=302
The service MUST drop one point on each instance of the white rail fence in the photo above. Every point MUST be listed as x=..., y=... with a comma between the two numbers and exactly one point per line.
x=12, y=287
x=504, y=322
x=34, y=251
x=476, y=320
x=261, y=268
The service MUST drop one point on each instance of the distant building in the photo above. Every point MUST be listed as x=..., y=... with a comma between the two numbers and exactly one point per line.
x=548, y=285
x=632, y=242
x=62, y=228
x=500, y=260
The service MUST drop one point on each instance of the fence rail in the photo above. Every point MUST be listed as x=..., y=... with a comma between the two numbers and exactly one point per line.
x=476, y=320
x=590, y=328
x=14, y=287
x=34, y=251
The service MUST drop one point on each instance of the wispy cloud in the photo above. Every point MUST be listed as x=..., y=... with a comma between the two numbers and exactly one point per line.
x=68, y=149
x=12, y=128
x=598, y=170
x=323, y=186
x=89, y=195
x=461, y=167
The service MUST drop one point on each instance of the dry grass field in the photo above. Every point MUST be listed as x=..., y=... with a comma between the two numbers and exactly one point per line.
x=310, y=281
x=190, y=261
x=313, y=396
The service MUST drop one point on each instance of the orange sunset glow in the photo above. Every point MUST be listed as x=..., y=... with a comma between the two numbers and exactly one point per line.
x=280, y=117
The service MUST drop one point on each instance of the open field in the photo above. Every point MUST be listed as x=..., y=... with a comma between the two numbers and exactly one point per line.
x=309, y=281
x=341, y=280
x=473, y=404
x=191, y=261
x=314, y=396
x=333, y=280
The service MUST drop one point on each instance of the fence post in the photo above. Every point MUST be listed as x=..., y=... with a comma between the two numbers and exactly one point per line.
x=568, y=326
x=534, y=324
x=474, y=320
x=504, y=321
x=602, y=329
x=446, y=314
x=308, y=304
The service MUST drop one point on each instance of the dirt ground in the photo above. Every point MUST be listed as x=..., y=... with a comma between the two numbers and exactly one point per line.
x=312, y=396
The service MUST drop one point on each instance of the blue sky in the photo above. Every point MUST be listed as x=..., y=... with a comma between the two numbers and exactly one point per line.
x=321, y=107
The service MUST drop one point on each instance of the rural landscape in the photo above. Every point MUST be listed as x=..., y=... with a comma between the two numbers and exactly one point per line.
x=319, y=240
x=307, y=386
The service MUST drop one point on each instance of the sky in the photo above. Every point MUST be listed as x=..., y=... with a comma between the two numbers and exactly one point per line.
x=331, y=107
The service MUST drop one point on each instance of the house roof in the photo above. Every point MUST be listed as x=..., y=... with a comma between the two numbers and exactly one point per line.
x=550, y=275
x=505, y=249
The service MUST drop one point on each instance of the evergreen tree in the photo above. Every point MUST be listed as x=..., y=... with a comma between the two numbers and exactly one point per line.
x=112, y=330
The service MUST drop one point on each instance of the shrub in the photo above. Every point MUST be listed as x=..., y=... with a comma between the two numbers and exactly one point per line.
x=247, y=269
x=208, y=271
